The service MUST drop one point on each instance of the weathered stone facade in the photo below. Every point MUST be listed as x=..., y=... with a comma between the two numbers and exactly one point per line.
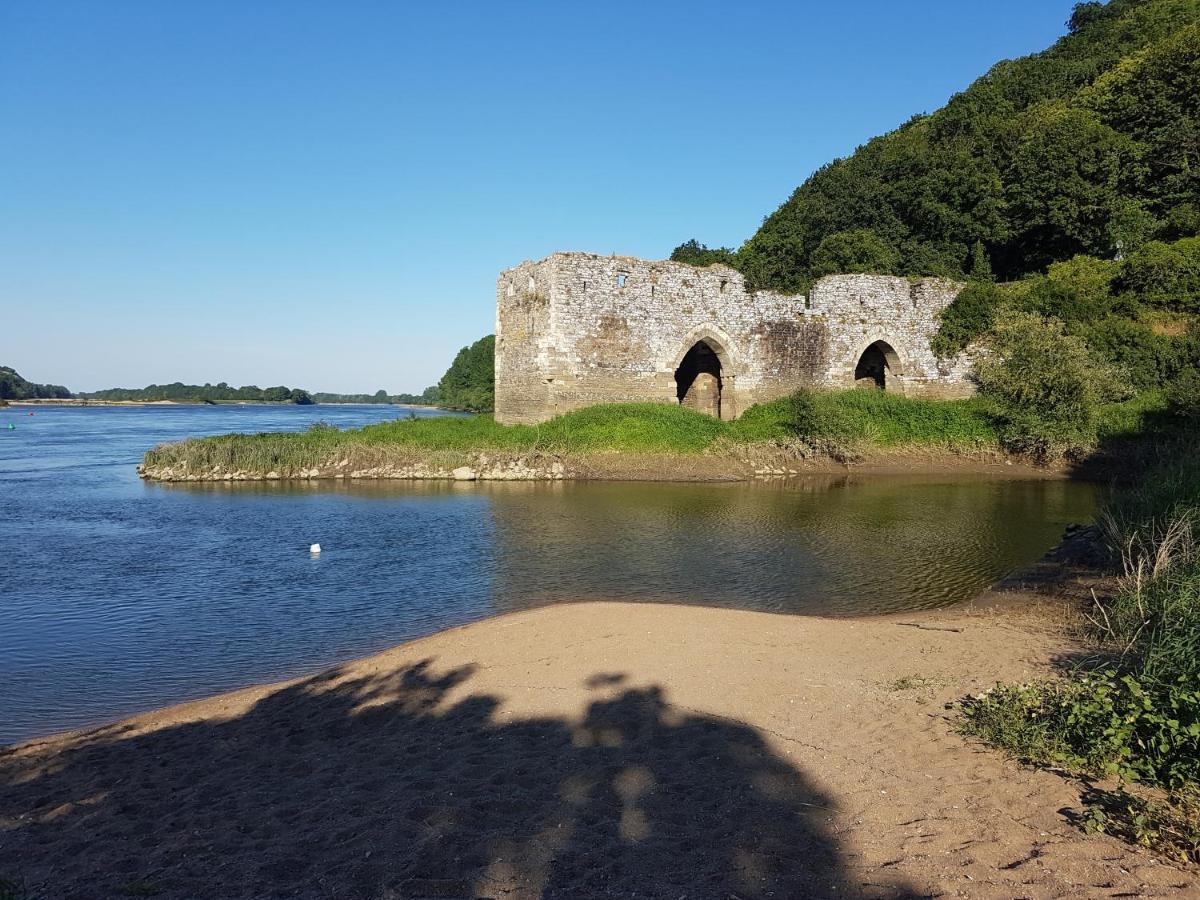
x=577, y=329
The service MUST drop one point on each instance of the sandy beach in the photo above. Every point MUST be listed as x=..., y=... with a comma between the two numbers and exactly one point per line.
x=586, y=750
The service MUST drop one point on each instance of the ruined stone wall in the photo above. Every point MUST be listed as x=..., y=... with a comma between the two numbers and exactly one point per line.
x=901, y=312
x=525, y=343
x=578, y=329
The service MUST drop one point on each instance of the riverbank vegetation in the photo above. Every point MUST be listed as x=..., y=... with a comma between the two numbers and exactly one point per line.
x=845, y=425
x=1131, y=712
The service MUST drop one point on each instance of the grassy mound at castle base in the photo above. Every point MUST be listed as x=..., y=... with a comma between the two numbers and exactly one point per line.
x=829, y=421
x=845, y=424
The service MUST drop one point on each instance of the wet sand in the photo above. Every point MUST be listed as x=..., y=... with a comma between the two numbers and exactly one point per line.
x=585, y=750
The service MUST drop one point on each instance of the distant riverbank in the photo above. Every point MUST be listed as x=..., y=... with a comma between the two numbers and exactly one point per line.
x=81, y=401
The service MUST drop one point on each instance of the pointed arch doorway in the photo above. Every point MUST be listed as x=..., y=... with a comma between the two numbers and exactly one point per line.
x=699, y=380
x=877, y=366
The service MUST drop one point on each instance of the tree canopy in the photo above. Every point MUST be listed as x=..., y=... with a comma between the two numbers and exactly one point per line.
x=1091, y=147
x=470, y=382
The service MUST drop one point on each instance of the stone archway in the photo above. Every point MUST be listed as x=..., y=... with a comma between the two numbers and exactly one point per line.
x=877, y=365
x=698, y=379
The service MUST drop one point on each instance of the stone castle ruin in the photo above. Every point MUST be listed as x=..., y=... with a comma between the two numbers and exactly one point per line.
x=576, y=329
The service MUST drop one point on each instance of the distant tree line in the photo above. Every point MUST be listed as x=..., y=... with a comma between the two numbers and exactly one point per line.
x=14, y=387
x=431, y=396
x=428, y=397
x=206, y=393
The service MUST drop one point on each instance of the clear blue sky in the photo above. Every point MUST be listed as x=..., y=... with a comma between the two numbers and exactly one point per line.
x=321, y=194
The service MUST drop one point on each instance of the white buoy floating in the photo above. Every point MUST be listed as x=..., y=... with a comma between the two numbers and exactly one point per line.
x=315, y=548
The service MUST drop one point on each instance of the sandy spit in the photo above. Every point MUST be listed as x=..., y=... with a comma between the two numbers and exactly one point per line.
x=581, y=750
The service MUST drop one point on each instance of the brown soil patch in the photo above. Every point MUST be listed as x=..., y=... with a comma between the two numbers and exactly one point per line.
x=585, y=750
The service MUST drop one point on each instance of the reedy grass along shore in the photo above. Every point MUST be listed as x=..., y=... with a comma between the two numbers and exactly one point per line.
x=842, y=425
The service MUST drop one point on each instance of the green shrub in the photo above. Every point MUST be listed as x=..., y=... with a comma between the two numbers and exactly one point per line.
x=1165, y=274
x=1170, y=825
x=1132, y=418
x=695, y=253
x=1098, y=724
x=1183, y=395
x=1079, y=289
x=1048, y=386
x=968, y=317
x=1148, y=360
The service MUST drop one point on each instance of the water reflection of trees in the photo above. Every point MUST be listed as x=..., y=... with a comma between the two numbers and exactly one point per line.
x=820, y=545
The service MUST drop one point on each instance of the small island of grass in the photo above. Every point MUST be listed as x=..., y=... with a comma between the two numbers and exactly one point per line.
x=628, y=440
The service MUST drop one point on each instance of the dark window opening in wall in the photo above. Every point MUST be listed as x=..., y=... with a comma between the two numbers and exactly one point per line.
x=621, y=279
x=875, y=365
x=585, y=287
x=724, y=284
x=698, y=380
x=807, y=303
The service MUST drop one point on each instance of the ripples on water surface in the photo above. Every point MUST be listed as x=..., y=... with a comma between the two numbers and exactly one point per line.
x=121, y=595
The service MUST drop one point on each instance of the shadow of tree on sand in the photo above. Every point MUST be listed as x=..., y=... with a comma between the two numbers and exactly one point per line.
x=405, y=784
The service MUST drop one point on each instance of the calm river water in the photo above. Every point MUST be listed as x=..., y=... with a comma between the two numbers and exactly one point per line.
x=120, y=596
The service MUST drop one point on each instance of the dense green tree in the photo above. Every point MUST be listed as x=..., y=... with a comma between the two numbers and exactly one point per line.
x=470, y=382
x=1047, y=385
x=981, y=266
x=696, y=254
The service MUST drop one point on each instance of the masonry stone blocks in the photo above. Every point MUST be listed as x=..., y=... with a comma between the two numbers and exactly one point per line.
x=576, y=329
